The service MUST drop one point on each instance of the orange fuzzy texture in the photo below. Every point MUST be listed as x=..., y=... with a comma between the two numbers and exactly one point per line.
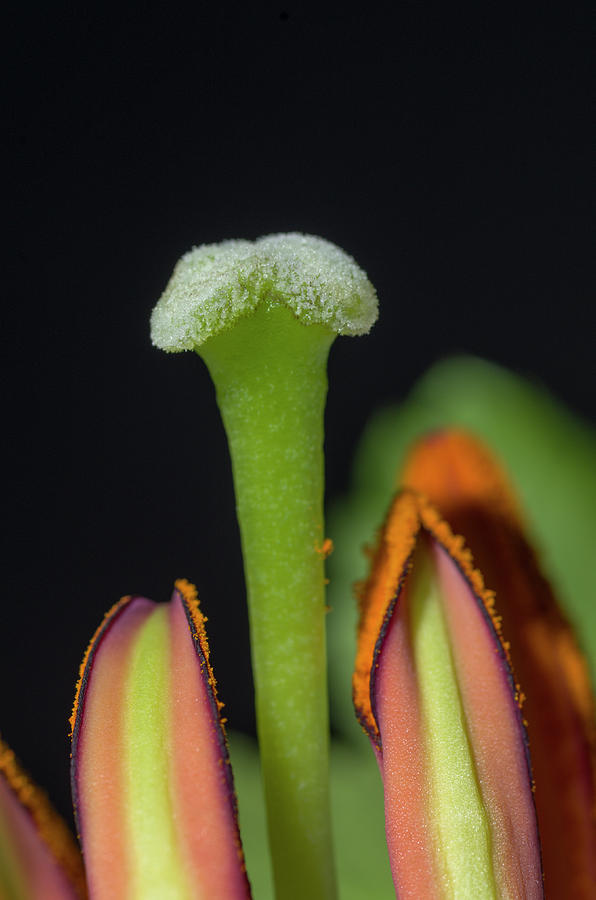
x=220, y=876
x=392, y=561
x=50, y=827
x=326, y=549
x=98, y=777
x=200, y=782
x=408, y=828
x=190, y=595
x=457, y=473
x=493, y=728
x=83, y=666
x=496, y=737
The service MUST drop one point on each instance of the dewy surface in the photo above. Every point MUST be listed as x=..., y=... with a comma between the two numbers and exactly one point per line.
x=214, y=285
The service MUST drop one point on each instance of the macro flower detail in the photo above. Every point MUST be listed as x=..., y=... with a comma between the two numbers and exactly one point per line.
x=39, y=859
x=434, y=688
x=263, y=315
x=214, y=286
x=459, y=475
x=151, y=778
x=488, y=794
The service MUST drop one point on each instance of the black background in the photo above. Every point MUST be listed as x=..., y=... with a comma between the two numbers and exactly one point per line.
x=448, y=153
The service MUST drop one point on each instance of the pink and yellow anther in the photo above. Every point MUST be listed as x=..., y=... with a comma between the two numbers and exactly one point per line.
x=151, y=777
x=435, y=690
x=39, y=859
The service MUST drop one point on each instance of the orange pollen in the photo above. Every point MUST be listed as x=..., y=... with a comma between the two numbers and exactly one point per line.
x=51, y=828
x=451, y=464
x=190, y=596
x=409, y=513
x=326, y=549
x=82, y=667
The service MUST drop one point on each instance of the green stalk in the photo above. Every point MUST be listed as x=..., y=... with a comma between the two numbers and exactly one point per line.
x=263, y=317
x=273, y=415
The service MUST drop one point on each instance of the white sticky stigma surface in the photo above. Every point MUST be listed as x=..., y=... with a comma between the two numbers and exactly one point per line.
x=215, y=284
